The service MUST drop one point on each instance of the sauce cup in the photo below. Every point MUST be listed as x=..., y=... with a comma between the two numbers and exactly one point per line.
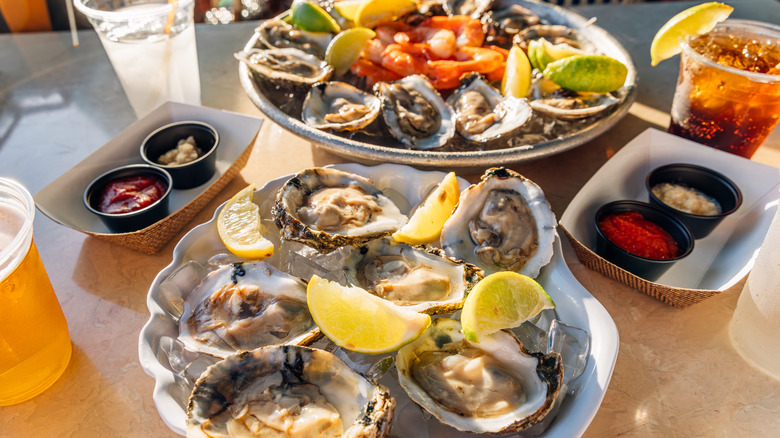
x=647, y=268
x=706, y=181
x=134, y=220
x=166, y=138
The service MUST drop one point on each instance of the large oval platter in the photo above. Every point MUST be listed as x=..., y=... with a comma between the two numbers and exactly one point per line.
x=575, y=307
x=366, y=149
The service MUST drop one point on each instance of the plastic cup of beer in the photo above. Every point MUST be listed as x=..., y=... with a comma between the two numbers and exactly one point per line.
x=728, y=91
x=151, y=45
x=35, y=346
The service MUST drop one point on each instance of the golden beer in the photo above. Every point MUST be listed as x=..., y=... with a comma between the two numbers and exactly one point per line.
x=35, y=346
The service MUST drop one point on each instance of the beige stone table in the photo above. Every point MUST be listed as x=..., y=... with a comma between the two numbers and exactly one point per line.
x=676, y=372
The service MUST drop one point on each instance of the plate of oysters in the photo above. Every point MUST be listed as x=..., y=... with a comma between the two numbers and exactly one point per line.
x=415, y=97
x=233, y=349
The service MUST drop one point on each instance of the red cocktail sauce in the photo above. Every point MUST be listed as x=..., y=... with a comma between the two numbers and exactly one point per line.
x=635, y=234
x=130, y=194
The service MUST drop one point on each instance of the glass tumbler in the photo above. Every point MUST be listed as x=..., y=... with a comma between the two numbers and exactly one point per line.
x=35, y=346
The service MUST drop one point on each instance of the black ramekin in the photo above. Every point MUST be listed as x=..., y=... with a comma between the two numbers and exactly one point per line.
x=194, y=173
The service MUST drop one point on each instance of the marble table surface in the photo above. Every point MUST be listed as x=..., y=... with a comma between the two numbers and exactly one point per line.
x=677, y=373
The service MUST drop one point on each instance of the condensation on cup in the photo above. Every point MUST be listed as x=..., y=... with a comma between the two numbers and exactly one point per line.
x=35, y=347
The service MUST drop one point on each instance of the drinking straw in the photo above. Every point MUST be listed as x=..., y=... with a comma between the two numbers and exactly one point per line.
x=72, y=23
x=171, y=16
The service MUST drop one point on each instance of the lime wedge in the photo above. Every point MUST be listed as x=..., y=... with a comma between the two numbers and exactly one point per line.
x=375, y=12
x=502, y=300
x=595, y=73
x=356, y=320
x=345, y=48
x=427, y=221
x=696, y=20
x=310, y=17
x=240, y=229
x=517, y=75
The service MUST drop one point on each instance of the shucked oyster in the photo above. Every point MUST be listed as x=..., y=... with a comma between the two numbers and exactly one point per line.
x=339, y=106
x=551, y=99
x=288, y=67
x=329, y=208
x=494, y=386
x=278, y=34
x=482, y=113
x=244, y=306
x=417, y=277
x=503, y=223
x=287, y=391
x=415, y=113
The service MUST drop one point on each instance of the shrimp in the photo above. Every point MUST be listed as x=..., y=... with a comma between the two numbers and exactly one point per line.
x=468, y=31
x=446, y=73
x=386, y=32
x=372, y=72
x=440, y=43
x=398, y=61
x=373, y=50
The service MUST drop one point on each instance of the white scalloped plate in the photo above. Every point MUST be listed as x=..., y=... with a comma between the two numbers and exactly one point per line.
x=575, y=306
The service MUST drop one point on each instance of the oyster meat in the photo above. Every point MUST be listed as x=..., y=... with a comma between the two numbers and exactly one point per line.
x=329, y=208
x=286, y=67
x=551, y=99
x=244, y=306
x=339, y=106
x=482, y=113
x=417, y=277
x=278, y=34
x=415, y=112
x=494, y=386
x=287, y=391
x=503, y=223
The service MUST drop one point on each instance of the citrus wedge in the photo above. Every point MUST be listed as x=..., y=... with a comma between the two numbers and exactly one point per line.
x=427, y=221
x=356, y=320
x=517, y=75
x=349, y=8
x=240, y=228
x=502, y=300
x=375, y=12
x=695, y=20
x=595, y=73
x=311, y=17
x=345, y=48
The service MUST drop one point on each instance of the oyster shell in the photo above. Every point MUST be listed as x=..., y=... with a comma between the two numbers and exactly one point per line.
x=494, y=386
x=287, y=391
x=286, y=67
x=482, y=113
x=417, y=277
x=244, y=306
x=551, y=99
x=329, y=208
x=503, y=223
x=339, y=106
x=278, y=34
x=415, y=112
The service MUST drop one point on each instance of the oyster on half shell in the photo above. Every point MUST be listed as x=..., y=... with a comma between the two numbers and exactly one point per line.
x=244, y=306
x=494, y=386
x=416, y=277
x=339, y=106
x=287, y=391
x=503, y=223
x=328, y=208
x=287, y=67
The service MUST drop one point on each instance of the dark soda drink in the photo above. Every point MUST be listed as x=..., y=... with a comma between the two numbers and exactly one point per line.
x=728, y=91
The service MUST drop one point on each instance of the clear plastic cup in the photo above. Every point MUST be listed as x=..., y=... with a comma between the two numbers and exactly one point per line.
x=35, y=346
x=151, y=46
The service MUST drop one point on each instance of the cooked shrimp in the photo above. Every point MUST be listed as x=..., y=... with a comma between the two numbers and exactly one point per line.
x=437, y=42
x=397, y=60
x=446, y=73
x=372, y=72
x=468, y=31
x=373, y=50
x=386, y=32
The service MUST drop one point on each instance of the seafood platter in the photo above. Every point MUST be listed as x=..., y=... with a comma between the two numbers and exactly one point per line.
x=457, y=116
x=231, y=340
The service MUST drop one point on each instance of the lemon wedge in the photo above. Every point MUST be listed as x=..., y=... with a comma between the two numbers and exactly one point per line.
x=345, y=48
x=375, y=12
x=695, y=20
x=427, y=221
x=349, y=8
x=311, y=17
x=240, y=228
x=356, y=320
x=517, y=75
x=502, y=300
